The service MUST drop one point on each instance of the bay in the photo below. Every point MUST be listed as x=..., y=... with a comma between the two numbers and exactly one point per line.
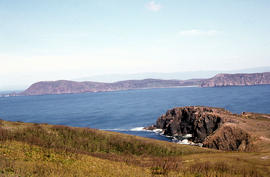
x=128, y=111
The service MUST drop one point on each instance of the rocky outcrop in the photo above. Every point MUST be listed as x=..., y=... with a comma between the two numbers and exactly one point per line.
x=64, y=86
x=211, y=127
x=198, y=121
x=222, y=80
x=229, y=137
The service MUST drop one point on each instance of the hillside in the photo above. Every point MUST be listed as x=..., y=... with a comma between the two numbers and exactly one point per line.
x=222, y=80
x=28, y=149
x=64, y=86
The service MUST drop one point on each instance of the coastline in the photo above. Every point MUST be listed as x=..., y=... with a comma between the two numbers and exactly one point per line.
x=18, y=94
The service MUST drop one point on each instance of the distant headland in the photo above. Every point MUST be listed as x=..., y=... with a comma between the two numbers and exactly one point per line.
x=222, y=80
x=69, y=87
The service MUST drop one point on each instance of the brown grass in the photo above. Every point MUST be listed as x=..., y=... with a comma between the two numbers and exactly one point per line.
x=46, y=150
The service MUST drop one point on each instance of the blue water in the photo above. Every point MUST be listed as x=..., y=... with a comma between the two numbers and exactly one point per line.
x=124, y=110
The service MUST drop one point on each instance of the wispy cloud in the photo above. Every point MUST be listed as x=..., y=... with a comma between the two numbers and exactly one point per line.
x=197, y=32
x=153, y=6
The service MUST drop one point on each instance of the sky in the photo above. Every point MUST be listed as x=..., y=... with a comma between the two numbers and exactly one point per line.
x=67, y=39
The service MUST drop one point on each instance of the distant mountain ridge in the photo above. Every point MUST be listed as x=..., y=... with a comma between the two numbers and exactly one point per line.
x=220, y=80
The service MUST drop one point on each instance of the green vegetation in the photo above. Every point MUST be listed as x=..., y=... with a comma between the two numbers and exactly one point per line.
x=46, y=150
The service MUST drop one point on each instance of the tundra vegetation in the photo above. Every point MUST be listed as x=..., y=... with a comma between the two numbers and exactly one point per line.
x=29, y=149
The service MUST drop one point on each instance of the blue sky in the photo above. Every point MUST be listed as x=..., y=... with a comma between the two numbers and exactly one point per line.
x=65, y=39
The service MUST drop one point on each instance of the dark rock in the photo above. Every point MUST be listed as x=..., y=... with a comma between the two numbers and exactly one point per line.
x=198, y=121
x=210, y=127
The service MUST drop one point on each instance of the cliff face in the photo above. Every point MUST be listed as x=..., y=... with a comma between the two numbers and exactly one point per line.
x=222, y=80
x=198, y=121
x=63, y=86
x=215, y=127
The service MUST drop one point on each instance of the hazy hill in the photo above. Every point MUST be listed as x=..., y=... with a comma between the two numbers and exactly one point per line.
x=222, y=80
x=64, y=86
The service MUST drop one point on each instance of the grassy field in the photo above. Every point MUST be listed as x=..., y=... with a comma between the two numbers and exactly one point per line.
x=28, y=149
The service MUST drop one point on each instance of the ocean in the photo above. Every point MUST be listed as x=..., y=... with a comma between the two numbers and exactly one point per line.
x=129, y=111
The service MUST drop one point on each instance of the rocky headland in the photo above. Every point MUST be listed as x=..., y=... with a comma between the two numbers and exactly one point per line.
x=222, y=80
x=214, y=128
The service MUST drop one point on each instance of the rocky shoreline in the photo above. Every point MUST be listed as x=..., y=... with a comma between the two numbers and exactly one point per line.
x=184, y=139
x=207, y=127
